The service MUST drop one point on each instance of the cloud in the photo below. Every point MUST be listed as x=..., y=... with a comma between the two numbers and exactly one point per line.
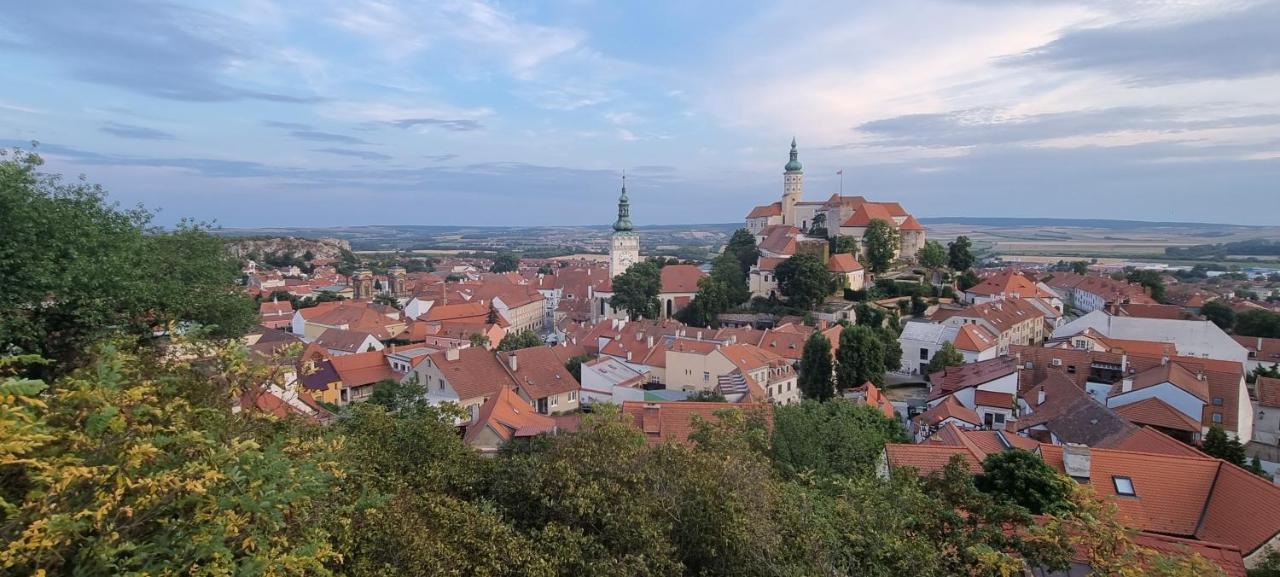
x=990, y=126
x=361, y=154
x=135, y=132
x=440, y=157
x=158, y=49
x=1236, y=44
x=286, y=125
x=456, y=124
x=320, y=136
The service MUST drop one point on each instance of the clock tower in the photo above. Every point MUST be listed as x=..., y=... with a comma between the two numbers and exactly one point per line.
x=624, y=248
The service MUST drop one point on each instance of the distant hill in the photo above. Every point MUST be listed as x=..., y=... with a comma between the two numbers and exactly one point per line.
x=1074, y=222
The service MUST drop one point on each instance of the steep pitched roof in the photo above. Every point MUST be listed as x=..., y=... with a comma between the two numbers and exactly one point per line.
x=1157, y=413
x=952, y=379
x=1149, y=440
x=540, y=372
x=949, y=408
x=843, y=263
x=1173, y=373
x=975, y=338
x=868, y=212
x=1268, y=391
x=508, y=416
x=910, y=224
x=475, y=373
x=363, y=368
x=929, y=458
x=1010, y=282
x=681, y=278
x=766, y=210
x=340, y=340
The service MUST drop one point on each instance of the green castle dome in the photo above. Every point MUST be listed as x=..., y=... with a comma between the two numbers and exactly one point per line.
x=794, y=164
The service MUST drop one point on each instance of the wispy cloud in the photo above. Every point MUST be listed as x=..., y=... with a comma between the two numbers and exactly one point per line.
x=135, y=132
x=354, y=153
x=454, y=124
x=321, y=136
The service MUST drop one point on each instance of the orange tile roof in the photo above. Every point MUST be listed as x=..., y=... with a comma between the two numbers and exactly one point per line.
x=952, y=379
x=910, y=224
x=672, y=421
x=1268, y=391
x=1224, y=556
x=363, y=368
x=508, y=416
x=876, y=399
x=1010, y=282
x=681, y=278
x=974, y=338
x=949, y=408
x=766, y=210
x=1157, y=413
x=1149, y=440
x=843, y=263
x=540, y=372
x=926, y=459
x=993, y=399
x=476, y=372
x=868, y=212
x=780, y=239
x=1173, y=373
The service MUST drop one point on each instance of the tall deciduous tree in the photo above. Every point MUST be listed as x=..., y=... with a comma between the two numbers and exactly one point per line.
x=1258, y=323
x=815, y=378
x=947, y=356
x=505, y=262
x=1218, y=444
x=726, y=270
x=1150, y=280
x=636, y=291
x=960, y=254
x=1023, y=478
x=882, y=242
x=521, y=339
x=742, y=247
x=860, y=358
x=1220, y=314
x=844, y=244
x=932, y=255
x=804, y=280
x=839, y=437
x=76, y=268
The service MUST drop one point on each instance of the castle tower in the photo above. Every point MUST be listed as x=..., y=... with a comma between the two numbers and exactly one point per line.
x=624, y=247
x=397, y=277
x=792, y=187
x=362, y=283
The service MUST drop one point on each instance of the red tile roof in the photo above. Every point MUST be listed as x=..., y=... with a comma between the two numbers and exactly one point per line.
x=363, y=368
x=993, y=399
x=1268, y=391
x=673, y=421
x=766, y=210
x=540, y=372
x=949, y=408
x=952, y=379
x=1157, y=413
x=926, y=459
x=1173, y=373
x=910, y=223
x=1149, y=440
x=681, y=278
x=975, y=338
x=843, y=263
x=868, y=212
x=1009, y=282
x=475, y=373
x=508, y=416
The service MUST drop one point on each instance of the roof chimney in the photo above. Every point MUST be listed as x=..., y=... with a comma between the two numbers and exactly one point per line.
x=628, y=356
x=1040, y=397
x=1126, y=384
x=649, y=342
x=513, y=361
x=451, y=355
x=1076, y=460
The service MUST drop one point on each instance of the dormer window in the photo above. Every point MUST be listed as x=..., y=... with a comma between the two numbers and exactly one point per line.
x=1124, y=486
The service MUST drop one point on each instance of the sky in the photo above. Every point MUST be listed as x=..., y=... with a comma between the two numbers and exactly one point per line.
x=256, y=113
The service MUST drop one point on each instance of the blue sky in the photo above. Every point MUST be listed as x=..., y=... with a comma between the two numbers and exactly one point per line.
x=306, y=113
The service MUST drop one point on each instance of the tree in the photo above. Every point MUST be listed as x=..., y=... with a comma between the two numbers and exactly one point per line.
x=505, y=262
x=1216, y=443
x=711, y=299
x=839, y=437
x=388, y=300
x=888, y=337
x=636, y=291
x=967, y=280
x=804, y=280
x=1149, y=279
x=479, y=340
x=844, y=244
x=492, y=319
x=1220, y=314
x=818, y=226
x=1080, y=267
x=860, y=358
x=882, y=242
x=707, y=396
x=521, y=339
x=725, y=269
x=574, y=366
x=742, y=247
x=815, y=376
x=76, y=268
x=947, y=356
x=1023, y=478
x=394, y=395
x=932, y=256
x=1258, y=323
x=960, y=254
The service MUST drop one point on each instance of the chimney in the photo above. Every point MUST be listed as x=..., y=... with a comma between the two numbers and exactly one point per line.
x=1164, y=360
x=649, y=342
x=513, y=361
x=1126, y=384
x=628, y=356
x=1076, y=459
x=451, y=355
x=1040, y=397
x=1199, y=375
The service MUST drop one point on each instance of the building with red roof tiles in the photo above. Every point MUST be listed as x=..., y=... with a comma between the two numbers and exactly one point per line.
x=847, y=268
x=284, y=403
x=1266, y=427
x=1088, y=293
x=748, y=372
x=673, y=421
x=340, y=342
x=949, y=411
x=542, y=379
x=1262, y=352
x=679, y=286
x=1011, y=283
x=1013, y=321
x=870, y=395
x=467, y=377
x=275, y=314
x=504, y=418
x=384, y=324
x=1154, y=311
x=1150, y=440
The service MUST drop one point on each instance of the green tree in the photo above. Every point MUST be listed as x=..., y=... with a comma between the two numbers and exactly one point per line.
x=1080, y=267
x=882, y=242
x=636, y=291
x=574, y=366
x=960, y=254
x=1149, y=279
x=711, y=299
x=479, y=340
x=1256, y=323
x=725, y=269
x=967, y=280
x=742, y=247
x=932, y=256
x=492, y=319
x=947, y=356
x=708, y=396
x=521, y=339
x=815, y=375
x=888, y=337
x=394, y=395
x=505, y=262
x=818, y=226
x=1220, y=314
x=388, y=300
x=1023, y=478
x=844, y=244
x=838, y=437
x=77, y=268
x=804, y=280
x=860, y=357
x=1218, y=444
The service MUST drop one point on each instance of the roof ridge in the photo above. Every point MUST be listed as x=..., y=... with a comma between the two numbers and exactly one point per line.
x=1204, y=509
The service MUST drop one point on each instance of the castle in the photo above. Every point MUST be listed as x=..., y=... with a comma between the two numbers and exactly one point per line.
x=838, y=215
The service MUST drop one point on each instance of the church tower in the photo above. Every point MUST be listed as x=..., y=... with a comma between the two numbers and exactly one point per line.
x=624, y=249
x=792, y=187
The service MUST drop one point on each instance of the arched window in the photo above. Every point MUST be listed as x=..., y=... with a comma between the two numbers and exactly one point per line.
x=668, y=307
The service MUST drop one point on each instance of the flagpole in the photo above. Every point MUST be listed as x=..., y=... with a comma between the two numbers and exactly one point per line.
x=841, y=173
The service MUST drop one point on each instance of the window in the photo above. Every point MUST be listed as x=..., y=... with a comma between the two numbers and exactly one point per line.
x=1124, y=486
x=706, y=376
x=1217, y=401
x=1217, y=417
x=924, y=354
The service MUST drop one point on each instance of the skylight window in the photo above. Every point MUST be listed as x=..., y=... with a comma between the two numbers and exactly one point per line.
x=1124, y=486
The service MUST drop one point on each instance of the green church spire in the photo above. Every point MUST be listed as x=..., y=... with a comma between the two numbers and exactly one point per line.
x=623, y=223
x=794, y=164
